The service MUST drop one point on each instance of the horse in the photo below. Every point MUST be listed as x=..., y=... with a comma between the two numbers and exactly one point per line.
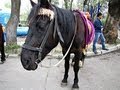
x=2, y=44
x=48, y=26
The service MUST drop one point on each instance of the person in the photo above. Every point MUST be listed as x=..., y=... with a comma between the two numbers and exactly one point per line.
x=2, y=40
x=90, y=28
x=88, y=16
x=98, y=33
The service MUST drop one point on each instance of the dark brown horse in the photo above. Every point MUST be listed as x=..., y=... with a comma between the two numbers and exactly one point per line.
x=2, y=44
x=48, y=26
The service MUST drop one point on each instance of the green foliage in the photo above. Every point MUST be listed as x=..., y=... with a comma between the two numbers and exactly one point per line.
x=23, y=19
x=104, y=21
x=12, y=49
x=55, y=2
x=118, y=41
x=8, y=5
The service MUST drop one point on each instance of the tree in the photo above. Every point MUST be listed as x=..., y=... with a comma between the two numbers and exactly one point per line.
x=85, y=4
x=13, y=22
x=68, y=4
x=50, y=1
x=8, y=5
x=112, y=22
x=71, y=2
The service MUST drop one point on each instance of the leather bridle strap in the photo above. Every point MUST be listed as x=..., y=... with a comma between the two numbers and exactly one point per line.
x=25, y=46
x=39, y=49
x=45, y=39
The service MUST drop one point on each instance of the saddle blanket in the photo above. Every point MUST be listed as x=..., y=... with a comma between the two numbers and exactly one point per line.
x=89, y=28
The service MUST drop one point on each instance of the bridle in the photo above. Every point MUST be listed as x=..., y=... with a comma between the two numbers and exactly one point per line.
x=56, y=30
x=39, y=49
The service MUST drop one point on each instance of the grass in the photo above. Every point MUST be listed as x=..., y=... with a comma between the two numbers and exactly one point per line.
x=118, y=41
x=12, y=49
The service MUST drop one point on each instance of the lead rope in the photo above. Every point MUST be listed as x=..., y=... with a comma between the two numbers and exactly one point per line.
x=57, y=64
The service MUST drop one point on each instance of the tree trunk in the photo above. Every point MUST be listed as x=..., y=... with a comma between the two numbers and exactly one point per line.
x=12, y=24
x=114, y=8
x=50, y=1
x=85, y=2
x=66, y=4
x=71, y=2
x=85, y=5
x=112, y=23
x=111, y=30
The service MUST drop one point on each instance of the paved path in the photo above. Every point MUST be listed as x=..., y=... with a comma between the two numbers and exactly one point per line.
x=57, y=50
x=99, y=73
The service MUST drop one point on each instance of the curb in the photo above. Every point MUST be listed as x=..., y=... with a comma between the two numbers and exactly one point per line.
x=89, y=54
x=11, y=55
x=102, y=52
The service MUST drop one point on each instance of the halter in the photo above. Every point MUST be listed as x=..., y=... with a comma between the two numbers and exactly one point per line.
x=39, y=49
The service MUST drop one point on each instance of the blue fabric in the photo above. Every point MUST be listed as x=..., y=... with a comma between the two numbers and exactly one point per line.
x=98, y=25
x=102, y=38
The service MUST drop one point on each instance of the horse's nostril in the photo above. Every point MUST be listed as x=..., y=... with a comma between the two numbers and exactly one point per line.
x=27, y=62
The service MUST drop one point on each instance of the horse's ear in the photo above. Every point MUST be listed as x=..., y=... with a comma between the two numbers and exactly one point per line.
x=44, y=3
x=32, y=3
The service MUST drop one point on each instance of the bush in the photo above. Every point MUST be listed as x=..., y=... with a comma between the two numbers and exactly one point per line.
x=12, y=49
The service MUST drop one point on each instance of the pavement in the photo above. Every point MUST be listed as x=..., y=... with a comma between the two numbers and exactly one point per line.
x=99, y=73
x=56, y=52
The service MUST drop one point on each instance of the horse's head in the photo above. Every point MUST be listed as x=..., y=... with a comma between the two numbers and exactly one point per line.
x=39, y=19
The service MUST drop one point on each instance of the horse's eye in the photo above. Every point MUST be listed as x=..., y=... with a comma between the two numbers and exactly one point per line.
x=38, y=16
x=37, y=24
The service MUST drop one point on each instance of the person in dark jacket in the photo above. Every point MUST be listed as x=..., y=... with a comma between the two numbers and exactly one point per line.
x=98, y=33
x=2, y=40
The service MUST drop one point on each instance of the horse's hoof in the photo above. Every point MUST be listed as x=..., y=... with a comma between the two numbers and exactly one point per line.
x=75, y=87
x=64, y=83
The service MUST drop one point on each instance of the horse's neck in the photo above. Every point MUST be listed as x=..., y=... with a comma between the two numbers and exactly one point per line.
x=50, y=44
x=66, y=24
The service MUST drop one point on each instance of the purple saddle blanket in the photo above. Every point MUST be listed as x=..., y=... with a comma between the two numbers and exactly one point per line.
x=89, y=28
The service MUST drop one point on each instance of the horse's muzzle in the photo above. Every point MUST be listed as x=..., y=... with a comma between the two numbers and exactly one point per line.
x=31, y=67
x=38, y=61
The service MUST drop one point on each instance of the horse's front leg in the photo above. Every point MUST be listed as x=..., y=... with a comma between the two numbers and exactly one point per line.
x=76, y=68
x=66, y=65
